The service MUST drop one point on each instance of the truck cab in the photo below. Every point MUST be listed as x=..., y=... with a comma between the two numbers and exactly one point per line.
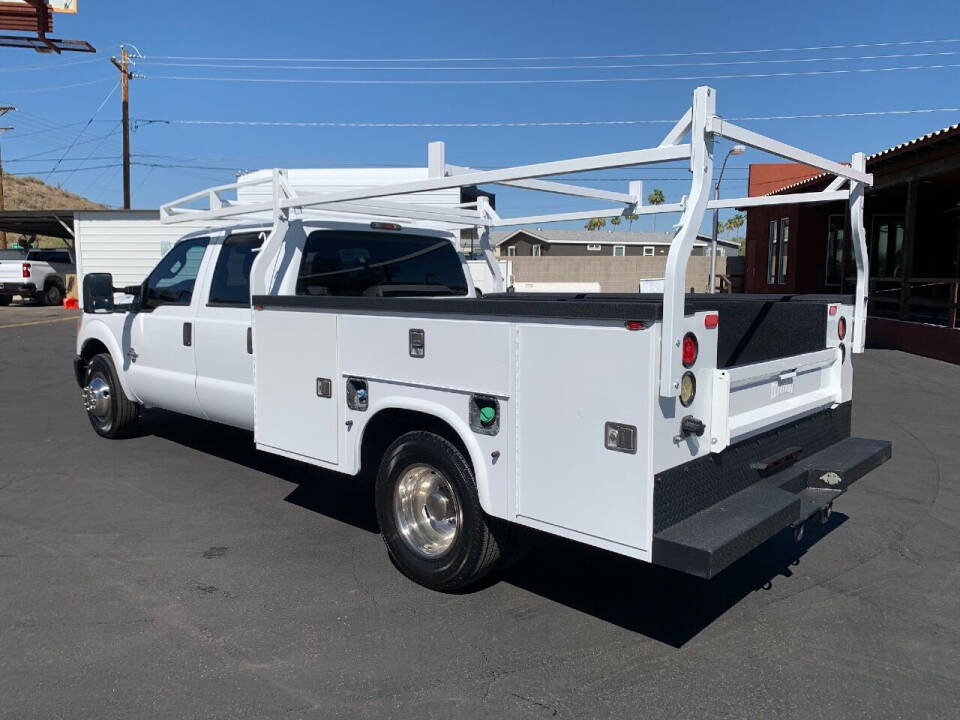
x=184, y=337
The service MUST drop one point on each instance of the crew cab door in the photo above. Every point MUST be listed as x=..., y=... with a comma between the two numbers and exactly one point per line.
x=224, y=341
x=163, y=369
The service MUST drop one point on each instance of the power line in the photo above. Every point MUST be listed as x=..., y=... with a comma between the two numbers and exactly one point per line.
x=897, y=43
x=48, y=66
x=84, y=128
x=620, y=66
x=554, y=81
x=96, y=138
x=140, y=122
x=60, y=87
x=95, y=148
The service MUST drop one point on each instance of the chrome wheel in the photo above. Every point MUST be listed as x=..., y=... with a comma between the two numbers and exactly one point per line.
x=96, y=397
x=427, y=510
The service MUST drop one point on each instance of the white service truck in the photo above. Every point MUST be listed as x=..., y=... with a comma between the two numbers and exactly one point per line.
x=344, y=330
x=41, y=275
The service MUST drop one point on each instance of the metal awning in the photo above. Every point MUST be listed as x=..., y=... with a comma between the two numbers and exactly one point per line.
x=52, y=223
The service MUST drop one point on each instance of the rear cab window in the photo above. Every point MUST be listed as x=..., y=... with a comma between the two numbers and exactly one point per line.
x=231, y=276
x=371, y=264
x=49, y=256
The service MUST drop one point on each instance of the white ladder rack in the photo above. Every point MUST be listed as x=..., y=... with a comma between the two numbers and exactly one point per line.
x=700, y=124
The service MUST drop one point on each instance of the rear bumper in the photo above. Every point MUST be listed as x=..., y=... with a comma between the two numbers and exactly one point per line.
x=13, y=288
x=765, y=484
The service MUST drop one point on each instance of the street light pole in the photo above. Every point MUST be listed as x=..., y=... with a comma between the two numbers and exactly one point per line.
x=735, y=150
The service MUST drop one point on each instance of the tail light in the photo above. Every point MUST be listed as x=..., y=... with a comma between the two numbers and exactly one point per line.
x=688, y=388
x=26, y=270
x=842, y=328
x=690, y=349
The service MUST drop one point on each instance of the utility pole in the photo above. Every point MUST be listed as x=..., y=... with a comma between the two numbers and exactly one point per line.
x=123, y=65
x=3, y=111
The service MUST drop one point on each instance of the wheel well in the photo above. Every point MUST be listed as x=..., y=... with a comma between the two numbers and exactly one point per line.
x=387, y=425
x=91, y=348
x=53, y=280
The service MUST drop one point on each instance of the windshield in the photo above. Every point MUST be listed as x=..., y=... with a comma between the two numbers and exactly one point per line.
x=379, y=264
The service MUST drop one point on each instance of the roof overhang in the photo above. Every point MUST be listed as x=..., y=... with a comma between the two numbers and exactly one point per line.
x=52, y=223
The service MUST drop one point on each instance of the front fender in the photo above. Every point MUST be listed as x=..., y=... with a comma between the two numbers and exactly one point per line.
x=459, y=426
x=96, y=329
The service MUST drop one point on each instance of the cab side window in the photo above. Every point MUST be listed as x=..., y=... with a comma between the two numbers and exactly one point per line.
x=231, y=277
x=172, y=280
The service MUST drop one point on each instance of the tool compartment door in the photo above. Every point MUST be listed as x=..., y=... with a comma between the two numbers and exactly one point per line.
x=297, y=385
x=572, y=380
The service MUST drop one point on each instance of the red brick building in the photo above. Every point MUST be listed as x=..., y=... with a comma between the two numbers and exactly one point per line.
x=912, y=220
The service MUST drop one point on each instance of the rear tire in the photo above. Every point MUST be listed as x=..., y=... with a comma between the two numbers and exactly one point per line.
x=112, y=414
x=53, y=294
x=430, y=515
x=5, y=300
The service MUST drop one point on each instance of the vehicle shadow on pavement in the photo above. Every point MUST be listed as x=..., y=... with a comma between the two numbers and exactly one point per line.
x=665, y=605
x=341, y=497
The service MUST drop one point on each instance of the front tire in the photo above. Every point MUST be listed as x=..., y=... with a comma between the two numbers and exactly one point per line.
x=430, y=515
x=112, y=414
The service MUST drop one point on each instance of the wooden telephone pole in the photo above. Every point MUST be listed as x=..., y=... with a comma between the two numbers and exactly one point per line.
x=3, y=111
x=123, y=65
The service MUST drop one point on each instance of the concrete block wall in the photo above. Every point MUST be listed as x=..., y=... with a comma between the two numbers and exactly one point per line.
x=615, y=274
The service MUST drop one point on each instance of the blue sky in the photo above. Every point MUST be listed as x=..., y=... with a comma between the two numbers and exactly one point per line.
x=52, y=119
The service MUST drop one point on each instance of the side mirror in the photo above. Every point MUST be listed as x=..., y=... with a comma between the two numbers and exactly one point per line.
x=98, y=292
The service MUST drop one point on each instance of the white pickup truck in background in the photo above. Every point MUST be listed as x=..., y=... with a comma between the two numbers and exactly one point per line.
x=672, y=428
x=40, y=275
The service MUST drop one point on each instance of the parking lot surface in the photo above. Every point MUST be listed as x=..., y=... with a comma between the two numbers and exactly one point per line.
x=182, y=574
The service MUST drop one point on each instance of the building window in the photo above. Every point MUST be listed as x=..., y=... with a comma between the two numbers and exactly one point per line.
x=784, y=237
x=619, y=250
x=772, y=247
x=835, y=248
x=536, y=250
x=593, y=248
x=886, y=246
x=648, y=250
x=777, y=251
x=511, y=250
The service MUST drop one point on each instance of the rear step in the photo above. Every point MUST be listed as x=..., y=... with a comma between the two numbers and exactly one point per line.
x=707, y=542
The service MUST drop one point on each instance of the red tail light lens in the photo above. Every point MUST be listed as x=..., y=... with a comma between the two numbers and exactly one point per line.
x=711, y=321
x=634, y=325
x=842, y=328
x=26, y=270
x=690, y=349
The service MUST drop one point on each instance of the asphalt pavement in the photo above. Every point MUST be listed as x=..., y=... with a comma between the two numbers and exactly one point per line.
x=180, y=574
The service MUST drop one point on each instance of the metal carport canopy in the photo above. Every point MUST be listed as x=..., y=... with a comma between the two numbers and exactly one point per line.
x=52, y=223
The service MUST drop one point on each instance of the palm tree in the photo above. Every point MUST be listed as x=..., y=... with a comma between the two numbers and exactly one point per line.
x=656, y=198
x=595, y=223
x=631, y=217
x=615, y=221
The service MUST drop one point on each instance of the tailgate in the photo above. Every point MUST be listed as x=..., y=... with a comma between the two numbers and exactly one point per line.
x=753, y=397
x=11, y=271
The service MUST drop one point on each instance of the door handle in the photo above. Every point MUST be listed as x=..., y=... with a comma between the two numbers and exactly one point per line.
x=188, y=334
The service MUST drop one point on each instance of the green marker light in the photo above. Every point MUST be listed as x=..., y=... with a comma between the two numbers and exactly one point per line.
x=487, y=415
